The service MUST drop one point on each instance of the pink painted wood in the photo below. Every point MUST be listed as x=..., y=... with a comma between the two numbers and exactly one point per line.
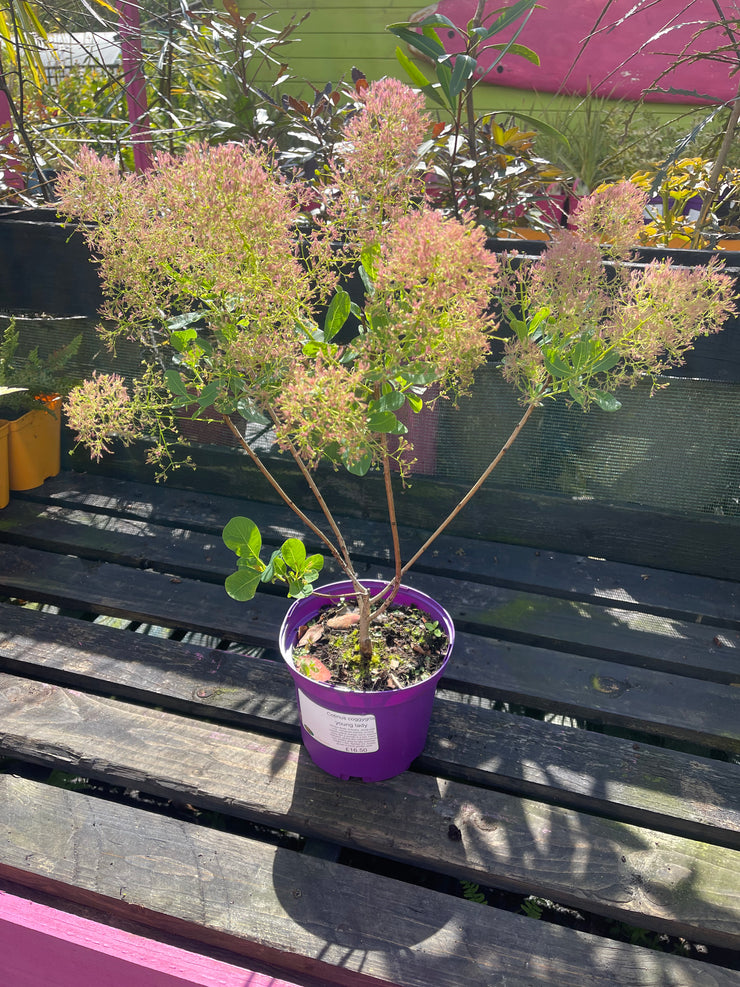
x=40, y=945
x=135, y=83
x=632, y=45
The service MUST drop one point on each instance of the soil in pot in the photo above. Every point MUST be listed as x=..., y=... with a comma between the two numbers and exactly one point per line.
x=408, y=647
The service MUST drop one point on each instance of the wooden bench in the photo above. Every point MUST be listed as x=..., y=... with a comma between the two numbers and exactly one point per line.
x=582, y=762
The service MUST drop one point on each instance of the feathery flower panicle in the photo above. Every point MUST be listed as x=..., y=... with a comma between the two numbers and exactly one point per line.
x=433, y=286
x=323, y=404
x=613, y=217
x=665, y=308
x=570, y=279
x=216, y=221
x=374, y=176
x=99, y=408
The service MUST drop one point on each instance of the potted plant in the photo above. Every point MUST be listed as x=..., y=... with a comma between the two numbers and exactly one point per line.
x=31, y=391
x=218, y=265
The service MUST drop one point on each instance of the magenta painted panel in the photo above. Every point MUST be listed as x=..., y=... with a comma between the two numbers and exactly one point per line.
x=44, y=947
x=634, y=42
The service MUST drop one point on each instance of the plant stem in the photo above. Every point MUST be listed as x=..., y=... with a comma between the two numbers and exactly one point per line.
x=389, y=594
x=322, y=504
x=288, y=500
x=473, y=490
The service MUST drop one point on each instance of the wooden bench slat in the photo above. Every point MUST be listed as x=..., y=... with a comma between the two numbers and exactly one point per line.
x=636, y=875
x=138, y=594
x=640, y=699
x=311, y=916
x=643, y=640
x=572, y=685
x=672, y=594
x=653, y=786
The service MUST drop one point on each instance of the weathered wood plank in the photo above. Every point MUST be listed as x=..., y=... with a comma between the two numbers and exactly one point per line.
x=674, y=541
x=603, y=692
x=643, y=640
x=671, y=594
x=637, y=875
x=310, y=915
x=640, y=699
x=138, y=594
x=647, y=785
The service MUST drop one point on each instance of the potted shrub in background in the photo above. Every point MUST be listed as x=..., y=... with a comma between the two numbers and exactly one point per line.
x=218, y=266
x=31, y=391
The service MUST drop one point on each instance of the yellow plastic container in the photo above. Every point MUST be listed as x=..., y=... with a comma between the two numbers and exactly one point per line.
x=34, y=446
x=4, y=472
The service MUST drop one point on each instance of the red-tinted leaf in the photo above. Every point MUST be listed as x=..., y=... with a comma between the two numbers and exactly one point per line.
x=314, y=669
x=310, y=635
x=344, y=621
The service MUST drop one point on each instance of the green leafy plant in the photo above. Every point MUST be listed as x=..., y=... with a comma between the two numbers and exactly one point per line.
x=472, y=892
x=288, y=564
x=534, y=907
x=682, y=187
x=478, y=163
x=26, y=383
x=229, y=277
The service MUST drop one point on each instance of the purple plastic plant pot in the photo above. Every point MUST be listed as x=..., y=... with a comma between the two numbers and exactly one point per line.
x=368, y=735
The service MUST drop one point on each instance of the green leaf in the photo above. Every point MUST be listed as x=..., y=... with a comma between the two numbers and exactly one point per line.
x=313, y=566
x=360, y=466
x=516, y=49
x=250, y=413
x=419, y=374
x=337, y=314
x=427, y=46
x=438, y=20
x=294, y=552
x=520, y=328
x=415, y=402
x=461, y=73
x=368, y=260
x=243, y=537
x=393, y=401
x=541, y=126
x=412, y=69
x=209, y=394
x=298, y=589
x=180, y=321
x=444, y=75
x=576, y=394
x=179, y=339
x=175, y=385
x=511, y=14
x=418, y=78
x=385, y=422
x=242, y=585
x=606, y=362
x=581, y=353
x=555, y=366
x=606, y=401
x=540, y=316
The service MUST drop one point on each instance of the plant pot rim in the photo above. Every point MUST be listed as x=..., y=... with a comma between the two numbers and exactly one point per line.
x=312, y=604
